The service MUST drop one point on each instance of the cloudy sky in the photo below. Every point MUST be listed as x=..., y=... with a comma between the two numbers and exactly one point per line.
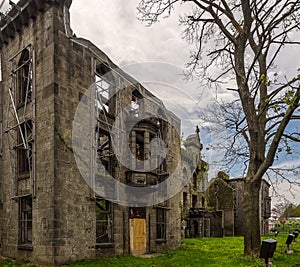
x=155, y=56
x=113, y=26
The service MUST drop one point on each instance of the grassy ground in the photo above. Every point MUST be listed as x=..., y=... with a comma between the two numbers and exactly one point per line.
x=210, y=252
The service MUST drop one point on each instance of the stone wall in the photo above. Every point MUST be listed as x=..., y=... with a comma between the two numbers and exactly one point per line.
x=64, y=217
x=238, y=186
x=39, y=32
x=264, y=210
x=220, y=197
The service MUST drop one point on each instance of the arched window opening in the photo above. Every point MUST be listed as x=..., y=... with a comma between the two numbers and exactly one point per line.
x=24, y=78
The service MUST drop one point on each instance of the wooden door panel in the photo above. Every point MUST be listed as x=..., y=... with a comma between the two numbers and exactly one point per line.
x=138, y=236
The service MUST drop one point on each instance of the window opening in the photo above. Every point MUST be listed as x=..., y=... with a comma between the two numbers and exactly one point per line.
x=104, y=230
x=136, y=102
x=195, y=180
x=24, y=78
x=19, y=121
x=161, y=223
x=24, y=150
x=194, y=201
x=25, y=221
x=185, y=200
x=140, y=150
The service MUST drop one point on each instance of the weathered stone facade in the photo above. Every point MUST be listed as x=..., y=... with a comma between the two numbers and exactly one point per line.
x=196, y=220
x=226, y=195
x=265, y=205
x=220, y=197
x=48, y=212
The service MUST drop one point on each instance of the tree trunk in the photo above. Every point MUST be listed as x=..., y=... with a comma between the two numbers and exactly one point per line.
x=251, y=219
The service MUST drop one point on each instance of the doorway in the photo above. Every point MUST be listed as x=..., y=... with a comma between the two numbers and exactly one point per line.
x=138, y=232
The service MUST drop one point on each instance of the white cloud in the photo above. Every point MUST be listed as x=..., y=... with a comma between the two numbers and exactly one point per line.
x=114, y=28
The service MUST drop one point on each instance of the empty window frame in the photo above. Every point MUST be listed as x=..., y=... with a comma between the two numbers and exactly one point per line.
x=24, y=77
x=185, y=200
x=136, y=103
x=104, y=227
x=140, y=150
x=103, y=146
x=194, y=201
x=195, y=180
x=102, y=94
x=160, y=223
x=25, y=220
x=24, y=150
x=104, y=87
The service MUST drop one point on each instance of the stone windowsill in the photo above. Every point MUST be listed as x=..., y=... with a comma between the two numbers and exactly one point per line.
x=104, y=245
x=25, y=247
x=160, y=241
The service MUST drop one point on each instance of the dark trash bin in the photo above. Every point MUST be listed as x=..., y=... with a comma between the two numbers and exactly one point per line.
x=267, y=249
x=290, y=239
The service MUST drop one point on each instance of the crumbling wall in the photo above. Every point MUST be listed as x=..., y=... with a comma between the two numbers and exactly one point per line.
x=220, y=197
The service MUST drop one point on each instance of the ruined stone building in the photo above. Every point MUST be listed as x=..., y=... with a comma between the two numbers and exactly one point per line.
x=214, y=208
x=51, y=210
x=193, y=192
x=220, y=197
x=226, y=195
x=265, y=205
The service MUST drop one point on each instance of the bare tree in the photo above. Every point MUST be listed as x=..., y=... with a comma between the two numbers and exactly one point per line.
x=242, y=39
x=281, y=207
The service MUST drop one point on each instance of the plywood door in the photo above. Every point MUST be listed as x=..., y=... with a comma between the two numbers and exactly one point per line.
x=138, y=236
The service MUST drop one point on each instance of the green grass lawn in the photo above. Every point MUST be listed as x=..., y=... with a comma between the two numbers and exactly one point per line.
x=227, y=251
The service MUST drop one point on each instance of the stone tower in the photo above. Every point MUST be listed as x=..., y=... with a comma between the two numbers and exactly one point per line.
x=48, y=213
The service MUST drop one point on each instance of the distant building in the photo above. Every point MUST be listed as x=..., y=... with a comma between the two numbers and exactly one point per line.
x=265, y=205
x=226, y=195
x=193, y=193
x=200, y=220
x=220, y=197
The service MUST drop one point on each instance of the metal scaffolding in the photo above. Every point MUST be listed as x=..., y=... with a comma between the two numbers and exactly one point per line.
x=19, y=123
x=102, y=122
x=106, y=105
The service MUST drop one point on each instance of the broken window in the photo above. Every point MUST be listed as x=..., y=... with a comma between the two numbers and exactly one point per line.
x=140, y=150
x=102, y=94
x=195, y=180
x=203, y=202
x=104, y=87
x=103, y=147
x=24, y=150
x=104, y=233
x=24, y=78
x=20, y=121
x=25, y=220
x=135, y=105
x=185, y=200
x=160, y=223
x=136, y=102
x=104, y=157
x=194, y=201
